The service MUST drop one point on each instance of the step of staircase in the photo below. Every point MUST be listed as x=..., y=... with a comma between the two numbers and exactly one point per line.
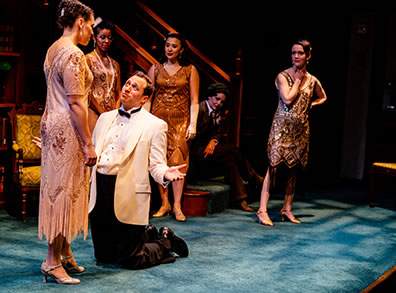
x=219, y=197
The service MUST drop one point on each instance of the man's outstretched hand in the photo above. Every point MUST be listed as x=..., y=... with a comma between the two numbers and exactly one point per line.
x=173, y=173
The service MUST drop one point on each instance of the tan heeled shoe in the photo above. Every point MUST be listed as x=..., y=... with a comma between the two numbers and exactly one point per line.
x=290, y=218
x=46, y=272
x=69, y=268
x=163, y=211
x=179, y=216
x=266, y=221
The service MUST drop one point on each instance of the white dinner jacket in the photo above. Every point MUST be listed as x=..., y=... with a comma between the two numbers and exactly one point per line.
x=145, y=151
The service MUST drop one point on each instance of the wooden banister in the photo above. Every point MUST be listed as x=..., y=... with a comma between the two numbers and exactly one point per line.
x=136, y=54
x=206, y=66
x=133, y=50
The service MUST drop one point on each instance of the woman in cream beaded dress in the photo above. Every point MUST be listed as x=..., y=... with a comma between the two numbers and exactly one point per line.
x=104, y=94
x=175, y=100
x=288, y=143
x=67, y=150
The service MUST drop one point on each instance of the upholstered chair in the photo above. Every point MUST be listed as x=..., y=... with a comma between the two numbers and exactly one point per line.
x=26, y=158
x=380, y=169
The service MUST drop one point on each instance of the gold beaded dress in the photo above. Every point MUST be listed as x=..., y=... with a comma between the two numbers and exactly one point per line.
x=104, y=86
x=171, y=103
x=64, y=188
x=289, y=137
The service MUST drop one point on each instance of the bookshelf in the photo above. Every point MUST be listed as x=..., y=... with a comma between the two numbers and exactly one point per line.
x=6, y=38
x=10, y=66
x=10, y=81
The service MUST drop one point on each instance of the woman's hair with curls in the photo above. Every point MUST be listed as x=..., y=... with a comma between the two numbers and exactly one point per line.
x=104, y=24
x=69, y=10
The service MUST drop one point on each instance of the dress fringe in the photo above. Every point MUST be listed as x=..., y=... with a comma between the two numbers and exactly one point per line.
x=63, y=218
x=67, y=213
x=287, y=176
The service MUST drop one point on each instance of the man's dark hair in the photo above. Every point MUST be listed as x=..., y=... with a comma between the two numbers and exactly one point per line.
x=216, y=88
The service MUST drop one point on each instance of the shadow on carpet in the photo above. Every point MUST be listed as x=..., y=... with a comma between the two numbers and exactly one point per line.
x=342, y=245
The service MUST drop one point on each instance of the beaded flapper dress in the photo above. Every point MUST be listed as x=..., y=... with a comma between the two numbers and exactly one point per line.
x=104, y=86
x=172, y=104
x=289, y=137
x=64, y=189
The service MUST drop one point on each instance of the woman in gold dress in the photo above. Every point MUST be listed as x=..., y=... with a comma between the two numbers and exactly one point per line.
x=175, y=101
x=288, y=142
x=67, y=150
x=104, y=94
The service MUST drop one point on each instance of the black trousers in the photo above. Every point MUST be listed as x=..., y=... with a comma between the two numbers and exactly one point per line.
x=227, y=159
x=118, y=243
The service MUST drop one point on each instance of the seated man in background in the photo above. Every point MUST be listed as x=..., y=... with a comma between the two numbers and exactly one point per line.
x=210, y=151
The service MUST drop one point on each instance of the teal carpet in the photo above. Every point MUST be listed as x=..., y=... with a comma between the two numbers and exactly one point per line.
x=342, y=245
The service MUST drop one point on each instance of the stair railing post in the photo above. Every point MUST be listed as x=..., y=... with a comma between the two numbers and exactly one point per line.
x=236, y=89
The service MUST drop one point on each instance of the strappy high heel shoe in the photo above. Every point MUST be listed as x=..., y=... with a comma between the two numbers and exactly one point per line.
x=266, y=221
x=291, y=219
x=69, y=268
x=163, y=211
x=46, y=272
x=179, y=216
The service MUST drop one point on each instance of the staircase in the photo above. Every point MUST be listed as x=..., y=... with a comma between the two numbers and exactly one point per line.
x=140, y=56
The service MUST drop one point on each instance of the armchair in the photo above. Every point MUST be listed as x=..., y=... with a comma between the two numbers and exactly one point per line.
x=383, y=169
x=26, y=156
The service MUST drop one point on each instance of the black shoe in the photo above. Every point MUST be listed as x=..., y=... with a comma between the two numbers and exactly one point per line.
x=151, y=233
x=178, y=245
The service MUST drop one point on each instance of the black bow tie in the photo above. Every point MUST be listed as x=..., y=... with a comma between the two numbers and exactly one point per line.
x=127, y=114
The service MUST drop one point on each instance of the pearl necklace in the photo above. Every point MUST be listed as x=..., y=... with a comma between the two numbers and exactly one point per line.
x=105, y=70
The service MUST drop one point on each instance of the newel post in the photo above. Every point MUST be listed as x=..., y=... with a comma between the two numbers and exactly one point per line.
x=236, y=100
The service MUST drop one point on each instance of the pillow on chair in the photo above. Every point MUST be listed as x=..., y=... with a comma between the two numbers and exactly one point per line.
x=28, y=126
x=31, y=176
